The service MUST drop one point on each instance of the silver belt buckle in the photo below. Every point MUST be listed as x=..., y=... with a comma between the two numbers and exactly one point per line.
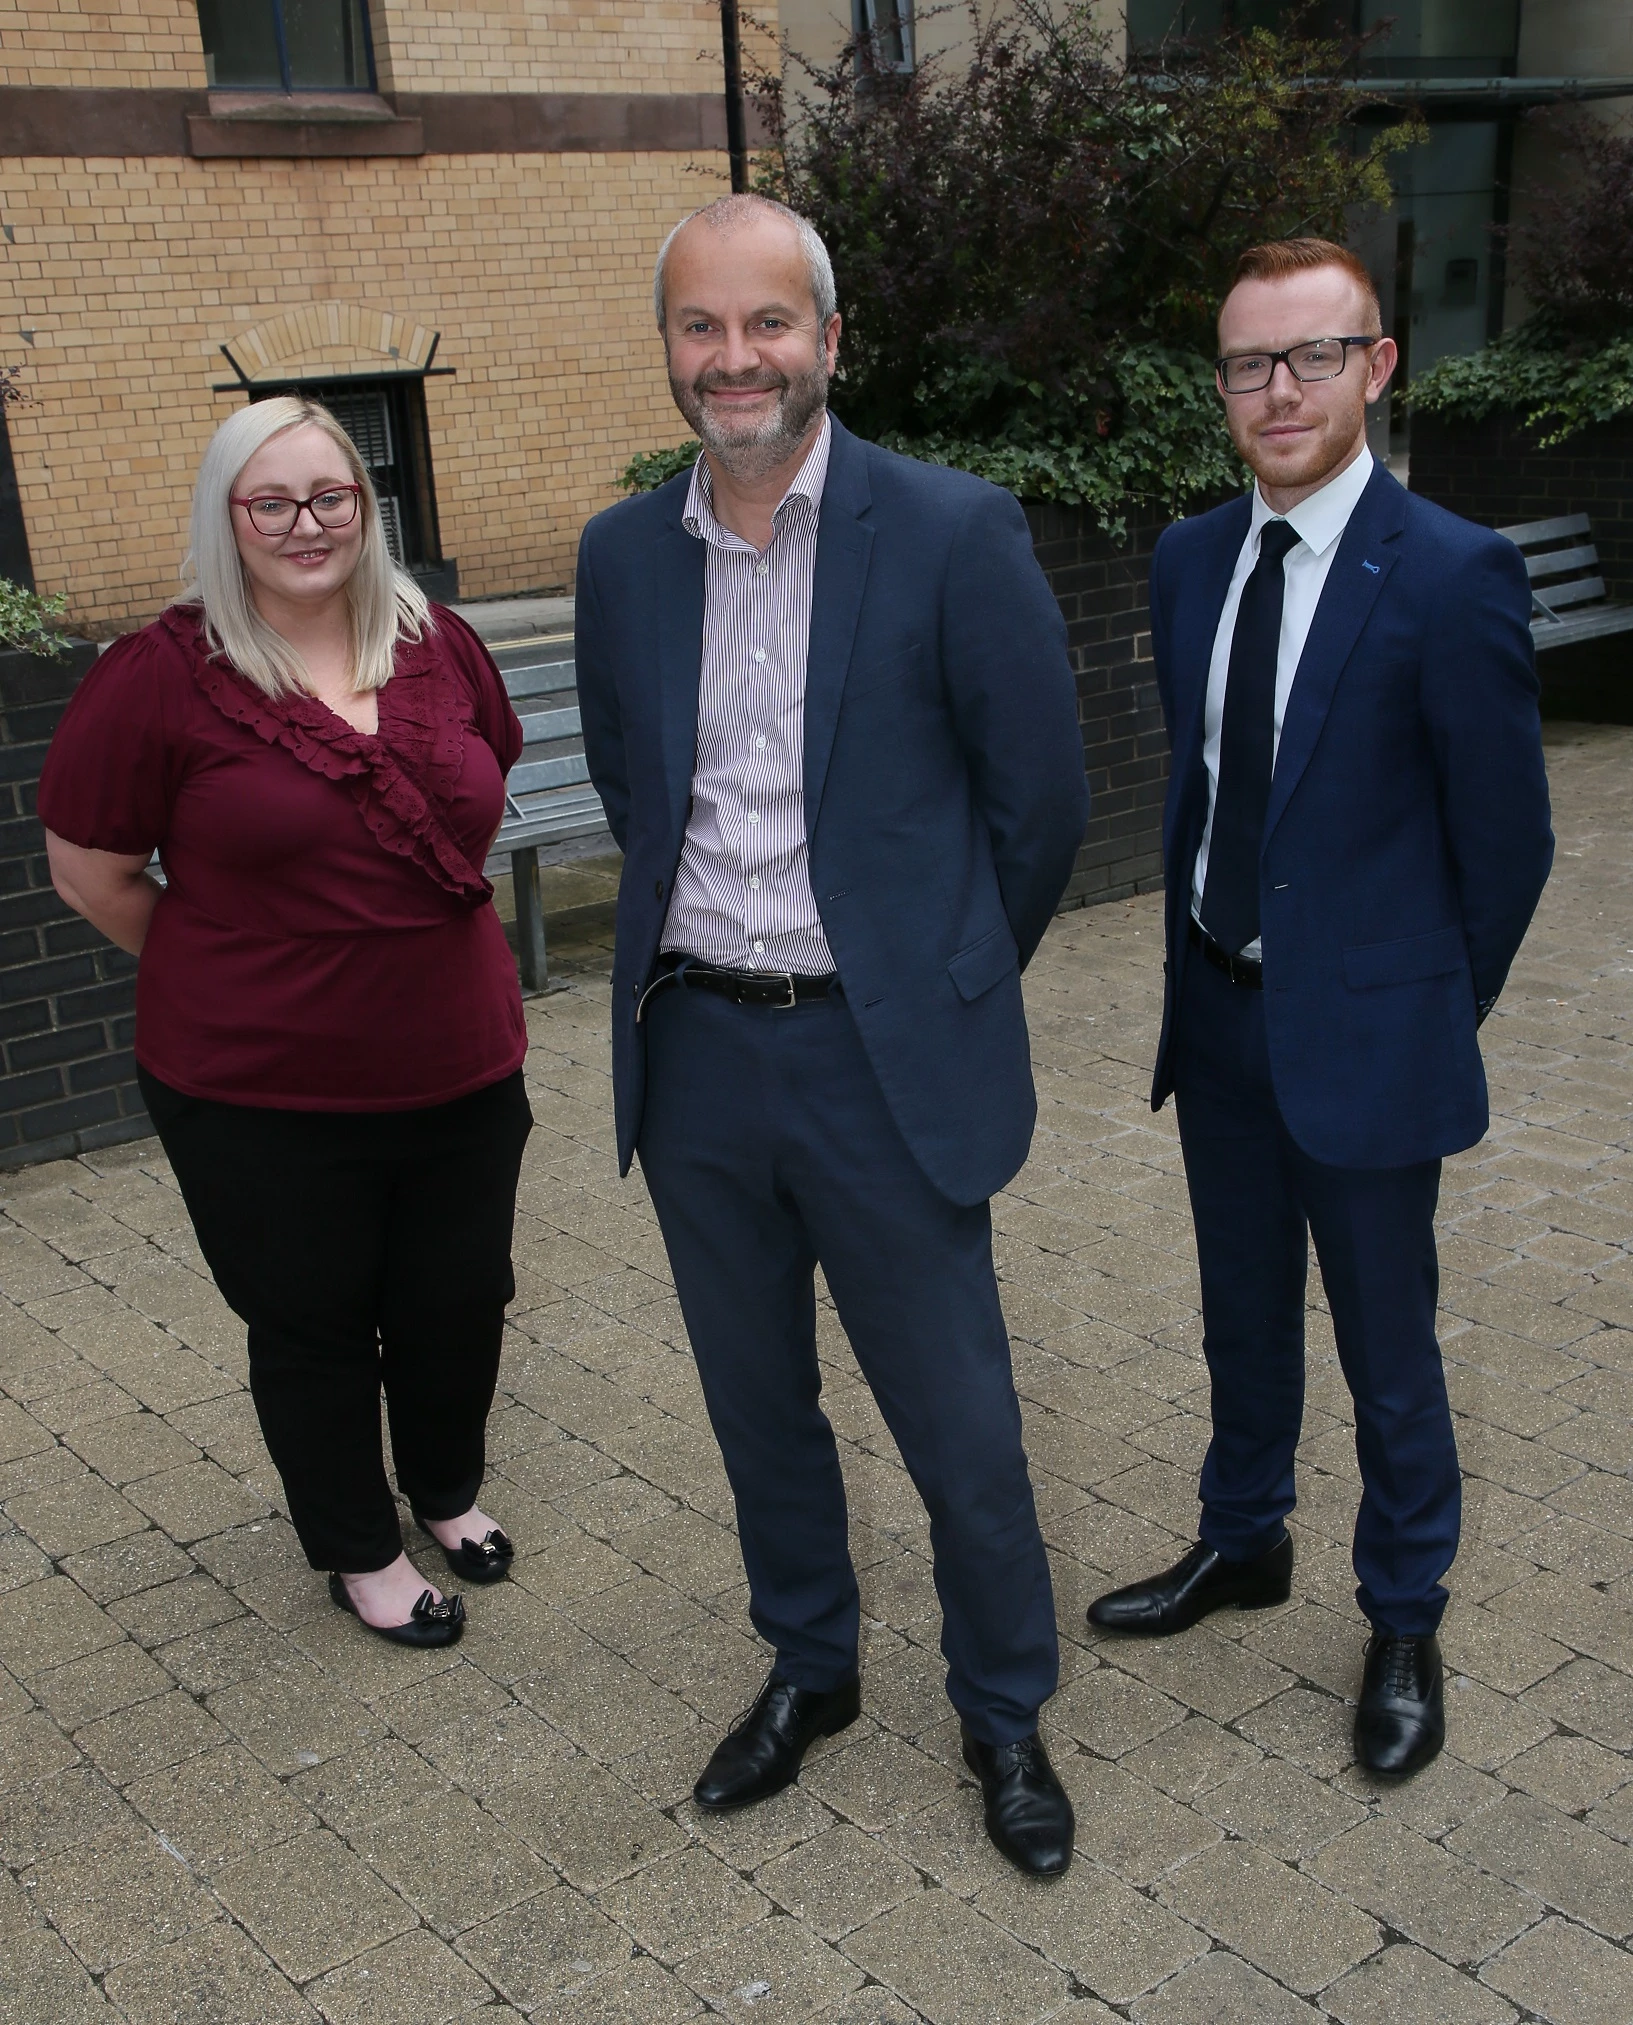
x=786, y=977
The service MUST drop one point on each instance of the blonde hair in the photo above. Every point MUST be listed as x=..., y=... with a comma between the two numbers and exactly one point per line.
x=385, y=603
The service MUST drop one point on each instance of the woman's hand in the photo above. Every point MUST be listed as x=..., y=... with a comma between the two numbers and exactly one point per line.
x=112, y=890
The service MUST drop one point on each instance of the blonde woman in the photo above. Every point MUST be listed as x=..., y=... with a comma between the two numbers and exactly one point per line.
x=329, y=1028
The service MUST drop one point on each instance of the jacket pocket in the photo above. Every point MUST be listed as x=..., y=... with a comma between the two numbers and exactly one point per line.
x=1439, y=954
x=977, y=969
x=877, y=674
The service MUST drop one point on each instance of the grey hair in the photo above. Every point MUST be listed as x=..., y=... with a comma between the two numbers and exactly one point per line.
x=386, y=604
x=726, y=212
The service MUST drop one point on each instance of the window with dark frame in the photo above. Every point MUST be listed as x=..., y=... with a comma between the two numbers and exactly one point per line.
x=286, y=45
x=888, y=28
x=386, y=419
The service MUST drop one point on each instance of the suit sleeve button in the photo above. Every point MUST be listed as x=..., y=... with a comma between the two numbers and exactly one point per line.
x=659, y=889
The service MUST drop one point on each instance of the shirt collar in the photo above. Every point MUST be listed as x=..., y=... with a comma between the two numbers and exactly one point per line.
x=807, y=483
x=1319, y=520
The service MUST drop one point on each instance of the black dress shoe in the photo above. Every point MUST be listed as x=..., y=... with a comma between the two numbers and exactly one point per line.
x=432, y=1623
x=1201, y=1582
x=762, y=1755
x=484, y=1560
x=1400, y=1721
x=1029, y=1817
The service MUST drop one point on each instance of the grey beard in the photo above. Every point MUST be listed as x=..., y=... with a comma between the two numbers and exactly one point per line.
x=749, y=457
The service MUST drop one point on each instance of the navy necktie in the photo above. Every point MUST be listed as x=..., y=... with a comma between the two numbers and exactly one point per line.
x=1247, y=745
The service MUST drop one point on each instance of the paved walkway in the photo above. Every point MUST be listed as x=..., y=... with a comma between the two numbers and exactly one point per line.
x=223, y=1802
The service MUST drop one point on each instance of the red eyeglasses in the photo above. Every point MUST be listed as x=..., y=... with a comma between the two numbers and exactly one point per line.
x=334, y=507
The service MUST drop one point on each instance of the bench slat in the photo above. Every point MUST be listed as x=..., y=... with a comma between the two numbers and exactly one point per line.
x=529, y=775
x=1526, y=532
x=541, y=678
x=1596, y=623
x=1576, y=593
x=1558, y=560
x=539, y=727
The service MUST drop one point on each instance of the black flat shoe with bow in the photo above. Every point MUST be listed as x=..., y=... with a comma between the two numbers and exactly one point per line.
x=484, y=1560
x=432, y=1623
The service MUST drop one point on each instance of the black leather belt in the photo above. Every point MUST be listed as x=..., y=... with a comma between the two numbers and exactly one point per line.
x=778, y=989
x=1243, y=970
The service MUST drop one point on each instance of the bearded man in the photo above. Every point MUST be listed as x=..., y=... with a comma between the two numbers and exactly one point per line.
x=827, y=705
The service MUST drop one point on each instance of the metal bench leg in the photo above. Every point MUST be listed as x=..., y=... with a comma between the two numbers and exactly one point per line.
x=530, y=952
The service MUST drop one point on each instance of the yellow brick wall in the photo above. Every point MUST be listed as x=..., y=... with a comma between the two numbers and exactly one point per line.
x=536, y=270
x=481, y=45
x=549, y=45
x=101, y=42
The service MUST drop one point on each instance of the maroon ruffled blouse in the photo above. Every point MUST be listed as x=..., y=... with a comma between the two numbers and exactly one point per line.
x=326, y=940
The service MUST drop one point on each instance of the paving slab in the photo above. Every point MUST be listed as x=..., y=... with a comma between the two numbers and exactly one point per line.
x=227, y=1803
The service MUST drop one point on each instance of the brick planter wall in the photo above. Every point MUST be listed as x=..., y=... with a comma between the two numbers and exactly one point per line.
x=67, y=997
x=1101, y=586
x=1493, y=472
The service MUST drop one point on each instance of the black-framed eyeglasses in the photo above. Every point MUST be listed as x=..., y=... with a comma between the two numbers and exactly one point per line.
x=334, y=507
x=1315, y=359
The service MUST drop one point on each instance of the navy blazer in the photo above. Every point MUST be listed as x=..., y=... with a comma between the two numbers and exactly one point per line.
x=1407, y=840
x=945, y=795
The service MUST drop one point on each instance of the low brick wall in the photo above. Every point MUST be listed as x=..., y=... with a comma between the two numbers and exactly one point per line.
x=67, y=997
x=1101, y=587
x=1493, y=472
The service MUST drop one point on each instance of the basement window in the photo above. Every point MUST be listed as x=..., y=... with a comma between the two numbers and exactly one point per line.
x=286, y=45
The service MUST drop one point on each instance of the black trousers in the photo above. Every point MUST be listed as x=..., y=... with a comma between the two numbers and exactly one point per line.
x=362, y=1249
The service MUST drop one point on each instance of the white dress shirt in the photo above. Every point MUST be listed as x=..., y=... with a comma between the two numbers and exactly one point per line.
x=742, y=896
x=1319, y=523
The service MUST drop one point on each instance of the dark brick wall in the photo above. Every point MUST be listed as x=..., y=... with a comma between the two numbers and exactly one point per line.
x=1493, y=472
x=67, y=997
x=1101, y=586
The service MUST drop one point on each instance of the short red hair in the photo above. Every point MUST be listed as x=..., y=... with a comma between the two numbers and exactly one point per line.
x=1275, y=259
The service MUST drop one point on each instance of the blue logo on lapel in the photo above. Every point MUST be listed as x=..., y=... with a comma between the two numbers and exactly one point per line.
x=1374, y=567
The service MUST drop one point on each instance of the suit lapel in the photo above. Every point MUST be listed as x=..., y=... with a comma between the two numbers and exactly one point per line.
x=678, y=571
x=844, y=545
x=1368, y=550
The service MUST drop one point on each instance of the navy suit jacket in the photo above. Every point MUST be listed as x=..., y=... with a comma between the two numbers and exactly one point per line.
x=944, y=782
x=1407, y=839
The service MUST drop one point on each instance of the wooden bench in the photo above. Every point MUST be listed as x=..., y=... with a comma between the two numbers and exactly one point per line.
x=552, y=814
x=1568, y=600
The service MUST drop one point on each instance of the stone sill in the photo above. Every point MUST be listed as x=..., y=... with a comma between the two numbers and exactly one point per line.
x=252, y=123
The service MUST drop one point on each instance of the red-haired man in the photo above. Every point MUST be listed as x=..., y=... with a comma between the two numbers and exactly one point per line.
x=1356, y=835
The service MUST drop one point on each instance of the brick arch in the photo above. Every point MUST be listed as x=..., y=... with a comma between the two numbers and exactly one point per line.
x=318, y=337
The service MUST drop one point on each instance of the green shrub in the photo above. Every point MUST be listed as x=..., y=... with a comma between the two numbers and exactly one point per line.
x=30, y=623
x=1030, y=249
x=1557, y=386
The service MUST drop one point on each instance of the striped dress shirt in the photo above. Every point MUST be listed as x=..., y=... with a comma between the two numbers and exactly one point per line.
x=742, y=895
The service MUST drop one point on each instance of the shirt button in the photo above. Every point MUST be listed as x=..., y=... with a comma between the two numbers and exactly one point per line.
x=762, y=569
x=753, y=815
x=754, y=881
x=759, y=949
x=759, y=653
x=760, y=742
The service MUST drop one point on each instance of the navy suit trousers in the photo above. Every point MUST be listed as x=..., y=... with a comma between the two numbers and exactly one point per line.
x=1257, y=1200
x=768, y=1150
